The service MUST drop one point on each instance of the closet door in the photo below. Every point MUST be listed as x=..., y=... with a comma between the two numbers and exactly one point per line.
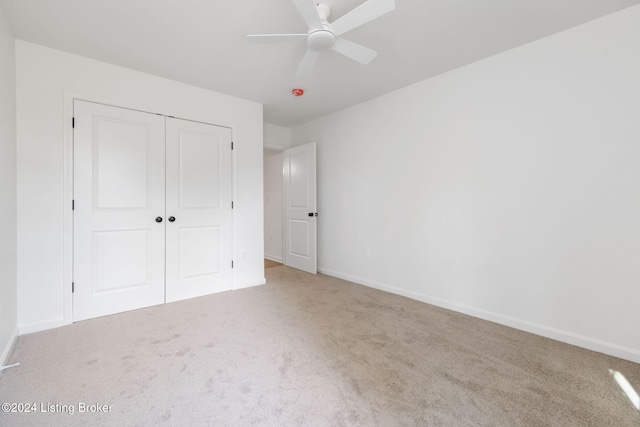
x=119, y=214
x=199, y=213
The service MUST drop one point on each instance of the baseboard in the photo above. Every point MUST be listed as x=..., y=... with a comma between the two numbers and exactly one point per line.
x=274, y=258
x=42, y=326
x=250, y=284
x=6, y=352
x=545, y=331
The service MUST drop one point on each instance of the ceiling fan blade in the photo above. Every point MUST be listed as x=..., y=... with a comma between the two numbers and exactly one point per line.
x=352, y=50
x=309, y=13
x=367, y=11
x=275, y=38
x=308, y=62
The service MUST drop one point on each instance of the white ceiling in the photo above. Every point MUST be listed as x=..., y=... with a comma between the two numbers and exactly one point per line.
x=202, y=42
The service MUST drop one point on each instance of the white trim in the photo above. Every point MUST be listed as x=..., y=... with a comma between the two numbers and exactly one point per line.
x=250, y=284
x=6, y=353
x=67, y=238
x=41, y=326
x=273, y=258
x=534, y=328
x=234, y=201
x=274, y=147
x=67, y=212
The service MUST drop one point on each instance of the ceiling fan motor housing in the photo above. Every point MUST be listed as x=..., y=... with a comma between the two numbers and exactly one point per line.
x=321, y=40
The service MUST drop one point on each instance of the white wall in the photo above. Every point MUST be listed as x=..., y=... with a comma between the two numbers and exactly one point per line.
x=277, y=137
x=508, y=189
x=273, y=204
x=8, y=283
x=46, y=80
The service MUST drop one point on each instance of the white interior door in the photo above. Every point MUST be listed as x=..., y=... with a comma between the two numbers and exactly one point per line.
x=199, y=213
x=299, y=179
x=119, y=198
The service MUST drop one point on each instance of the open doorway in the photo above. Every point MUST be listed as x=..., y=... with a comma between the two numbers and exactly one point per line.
x=273, y=207
x=290, y=216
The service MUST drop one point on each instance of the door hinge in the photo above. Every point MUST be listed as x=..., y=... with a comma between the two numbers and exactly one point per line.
x=73, y=122
x=232, y=204
x=232, y=145
x=231, y=264
x=73, y=205
x=73, y=287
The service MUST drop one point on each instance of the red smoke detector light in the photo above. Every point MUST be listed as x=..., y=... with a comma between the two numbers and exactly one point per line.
x=297, y=92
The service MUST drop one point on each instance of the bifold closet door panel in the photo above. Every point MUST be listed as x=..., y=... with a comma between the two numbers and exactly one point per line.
x=199, y=212
x=119, y=210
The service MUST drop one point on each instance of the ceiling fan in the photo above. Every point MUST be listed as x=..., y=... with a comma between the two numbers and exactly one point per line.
x=323, y=35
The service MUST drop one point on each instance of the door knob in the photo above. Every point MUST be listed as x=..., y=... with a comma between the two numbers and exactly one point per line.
x=313, y=213
x=172, y=218
x=159, y=219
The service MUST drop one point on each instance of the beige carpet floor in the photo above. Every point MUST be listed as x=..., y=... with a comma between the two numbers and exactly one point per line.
x=308, y=350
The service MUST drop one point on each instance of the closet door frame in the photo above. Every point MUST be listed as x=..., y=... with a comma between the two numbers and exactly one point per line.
x=67, y=239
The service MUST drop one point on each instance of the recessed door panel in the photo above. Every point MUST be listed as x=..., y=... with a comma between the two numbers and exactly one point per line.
x=120, y=171
x=299, y=235
x=120, y=260
x=199, y=170
x=199, y=199
x=199, y=252
x=119, y=191
x=299, y=172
